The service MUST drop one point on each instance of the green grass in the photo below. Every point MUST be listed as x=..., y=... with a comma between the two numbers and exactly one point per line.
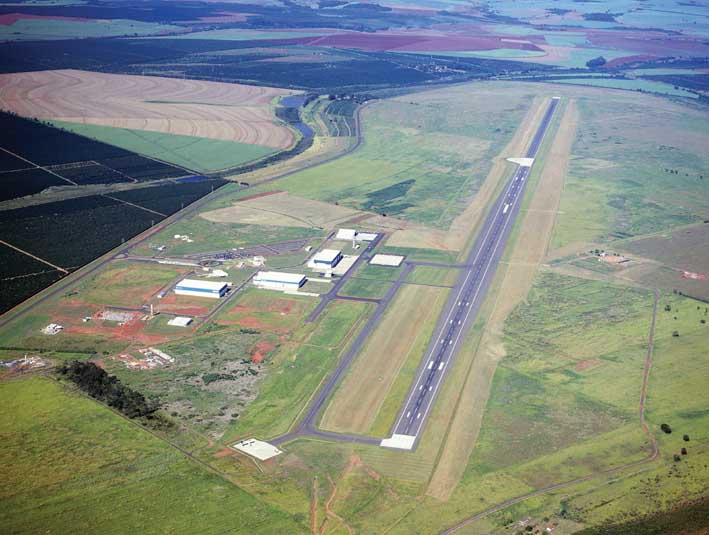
x=423, y=157
x=619, y=184
x=69, y=465
x=209, y=236
x=36, y=29
x=297, y=370
x=433, y=275
x=381, y=273
x=198, y=154
x=365, y=288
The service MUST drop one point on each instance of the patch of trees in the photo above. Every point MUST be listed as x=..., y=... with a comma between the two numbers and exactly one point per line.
x=98, y=384
x=595, y=63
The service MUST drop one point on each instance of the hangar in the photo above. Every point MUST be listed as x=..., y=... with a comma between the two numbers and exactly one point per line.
x=327, y=258
x=200, y=288
x=273, y=280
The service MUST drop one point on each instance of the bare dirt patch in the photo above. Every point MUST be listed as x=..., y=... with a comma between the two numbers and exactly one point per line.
x=213, y=110
x=529, y=250
x=284, y=210
x=261, y=350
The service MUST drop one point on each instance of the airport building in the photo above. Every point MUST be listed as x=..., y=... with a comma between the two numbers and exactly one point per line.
x=327, y=258
x=273, y=280
x=200, y=288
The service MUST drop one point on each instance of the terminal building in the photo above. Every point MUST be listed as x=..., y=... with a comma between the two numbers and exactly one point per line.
x=327, y=258
x=200, y=288
x=273, y=280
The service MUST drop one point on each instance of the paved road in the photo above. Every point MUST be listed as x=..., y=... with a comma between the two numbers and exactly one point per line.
x=307, y=426
x=332, y=294
x=466, y=298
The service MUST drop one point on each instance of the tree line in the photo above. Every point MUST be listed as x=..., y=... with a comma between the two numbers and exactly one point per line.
x=108, y=388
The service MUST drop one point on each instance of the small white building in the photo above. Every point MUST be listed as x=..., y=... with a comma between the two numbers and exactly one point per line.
x=347, y=234
x=201, y=288
x=274, y=280
x=180, y=321
x=327, y=258
x=389, y=260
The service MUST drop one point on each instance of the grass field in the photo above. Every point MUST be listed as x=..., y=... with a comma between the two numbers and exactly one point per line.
x=198, y=154
x=297, y=369
x=359, y=398
x=621, y=179
x=125, y=284
x=433, y=276
x=35, y=29
x=56, y=445
x=424, y=155
x=630, y=85
x=209, y=236
x=365, y=288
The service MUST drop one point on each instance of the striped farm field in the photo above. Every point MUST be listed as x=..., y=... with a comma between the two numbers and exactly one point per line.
x=212, y=110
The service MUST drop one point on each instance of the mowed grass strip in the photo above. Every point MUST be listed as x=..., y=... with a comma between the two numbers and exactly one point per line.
x=70, y=465
x=359, y=398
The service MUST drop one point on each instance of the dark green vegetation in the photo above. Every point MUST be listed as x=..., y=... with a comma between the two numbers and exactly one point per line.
x=95, y=472
x=230, y=61
x=72, y=232
x=685, y=519
x=44, y=145
x=107, y=389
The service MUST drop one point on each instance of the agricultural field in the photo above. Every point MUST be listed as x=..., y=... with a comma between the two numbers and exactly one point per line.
x=197, y=153
x=210, y=110
x=16, y=27
x=126, y=468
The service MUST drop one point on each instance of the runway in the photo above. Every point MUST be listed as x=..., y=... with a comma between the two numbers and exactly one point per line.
x=465, y=300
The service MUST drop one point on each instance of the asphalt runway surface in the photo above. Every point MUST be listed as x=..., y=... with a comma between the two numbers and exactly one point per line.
x=468, y=295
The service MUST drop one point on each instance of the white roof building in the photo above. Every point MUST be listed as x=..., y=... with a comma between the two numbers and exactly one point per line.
x=326, y=257
x=201, y=288
x=386, y=260
x=180, y=321
x=274, y=280
x=346, y=234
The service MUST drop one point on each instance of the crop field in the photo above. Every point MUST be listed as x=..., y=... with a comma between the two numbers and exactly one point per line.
x=686, y=249
x=126, y=468
x=209, y=110
x=649, y=86
x=26, y=27
x=196, y=153
x=359, y=398
x=38, y=145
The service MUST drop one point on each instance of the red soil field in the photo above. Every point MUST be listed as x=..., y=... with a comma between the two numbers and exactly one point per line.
x=261, y=351
x=259, y=195
x=617, y=62
x=9, y=19
x=652, y=43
